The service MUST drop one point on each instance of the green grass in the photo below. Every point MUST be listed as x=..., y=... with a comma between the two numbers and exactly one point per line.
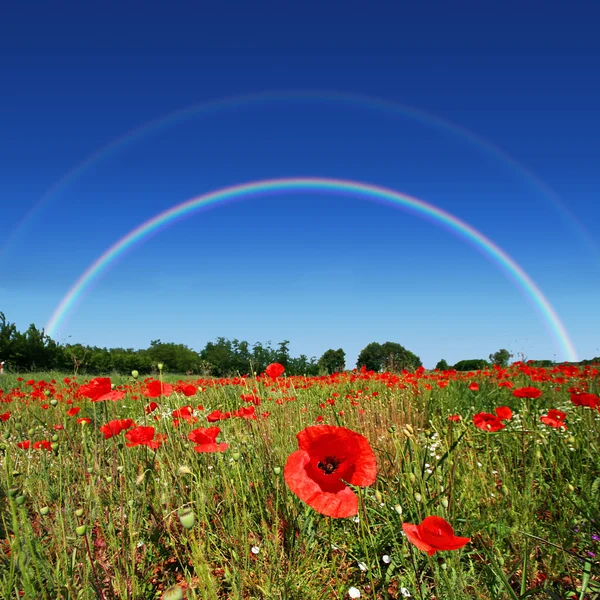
x=527, y=496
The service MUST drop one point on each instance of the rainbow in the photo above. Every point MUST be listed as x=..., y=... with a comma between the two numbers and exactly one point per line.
x=315, y=184
x=358, y=100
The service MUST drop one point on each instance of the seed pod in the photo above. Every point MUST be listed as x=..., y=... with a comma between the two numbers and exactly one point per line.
x=79, y=512
x=81, y=530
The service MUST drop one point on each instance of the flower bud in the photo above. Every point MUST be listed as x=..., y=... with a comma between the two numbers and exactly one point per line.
x=444, y=502
x=79, y=512
x=160, y=366
x=55, y=438
x=44, y=511
x=187, y=517
x=20, y=500
x=135, y=374
x=412, y=477
x=378, y=496
x=418, y=497
x=81, y=530
x=235, y=455
x=277, y=470
x=398, y=509
x=54, y=401
x=12, y=492
x=173, y=593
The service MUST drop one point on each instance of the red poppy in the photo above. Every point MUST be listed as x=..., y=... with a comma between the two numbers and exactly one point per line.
x=113, y=395
x=432, y=535
x=206, y=440
x=188, y=389
x=5, y=416
x=217, y=415
x=73, y=411
x=115, y=427
x=328, y=458
x=85, y=420
x=487, y=422
x=554, y=418
x=95, y=388
x=274, y=370
x=144, y=436
x=589, y=400
x=474, y=386
x=453, y=417
x=45, y=444
x=527, y=392
x=152, y=406
x=153, y=389
x=24, y=445
x=504, y=413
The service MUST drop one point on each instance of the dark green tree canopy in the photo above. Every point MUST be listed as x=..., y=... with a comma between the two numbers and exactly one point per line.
x=387, y=357
x=333, y=361
x=501, y=357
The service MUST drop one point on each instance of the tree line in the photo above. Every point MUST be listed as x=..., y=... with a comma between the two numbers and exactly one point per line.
x=33, y=350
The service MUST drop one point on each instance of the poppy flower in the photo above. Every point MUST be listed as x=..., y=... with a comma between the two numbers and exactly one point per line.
x=589, y=400
x=115, y=427
x=95, y=388
x=154, y=389
x=143, y=436
x=328, y=458
x=527, y=392
x=152, y=406
x=487, y=422
x=5, y=416
x=274, y=370
x=45, y=444
x=554, y=418
x=432, y=535
x=83, y=420
x=188, y=389
x=217, y=415
x=205, y=438
x=503, y=413
x=73, y=411
x=474, y=386
x=113, y=395
x=24, y=445
x=453, y=417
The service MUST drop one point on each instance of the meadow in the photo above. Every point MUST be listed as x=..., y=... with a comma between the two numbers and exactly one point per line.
x=173, y=488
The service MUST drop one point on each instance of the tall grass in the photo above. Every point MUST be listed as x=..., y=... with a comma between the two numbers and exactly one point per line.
x=92, y=518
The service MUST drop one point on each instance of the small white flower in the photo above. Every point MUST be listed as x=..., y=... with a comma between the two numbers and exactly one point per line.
x=386, y=559
x=398, y=509
x=362, y=566
x=354, y=592
x=479, y=464
x=405, y=592
x=355, y=519
x=255, y=550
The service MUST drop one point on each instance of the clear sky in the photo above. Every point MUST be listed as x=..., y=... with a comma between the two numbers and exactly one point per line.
x=318, y=269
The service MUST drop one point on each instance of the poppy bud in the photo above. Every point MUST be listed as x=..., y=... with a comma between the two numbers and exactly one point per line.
x=277, y=470
x=173, y=593
x=12, y=492
x=236, y=455
x=378, y=496
x=398, y=509
x=79, y=512
x=55, y=438
x=135, y=374
x=20, y=500
x=186, y=517
x=418, y=497
x=130, y=503
x=445, y=502
x=90, y=470
x=160, y=366
x=81, y=530
x=44, y=511
x=54, y=446
x=571, y=488
x=183, y=470
x=54, y=401
x=108, y=478
x=120, y=468
x=412, y=478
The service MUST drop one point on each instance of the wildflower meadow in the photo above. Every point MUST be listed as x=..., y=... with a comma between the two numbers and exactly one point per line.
x=425, y=484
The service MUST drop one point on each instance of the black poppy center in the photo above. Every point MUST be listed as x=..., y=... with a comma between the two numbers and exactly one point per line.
x=329, y=465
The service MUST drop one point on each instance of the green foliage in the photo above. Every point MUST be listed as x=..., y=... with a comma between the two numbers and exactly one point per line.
x=442, y=365
x=473, y=364
x=333, y=361
x=387, y=357
x=501, y=357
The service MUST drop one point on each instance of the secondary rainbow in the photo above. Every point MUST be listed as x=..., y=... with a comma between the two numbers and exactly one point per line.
x=323, y=185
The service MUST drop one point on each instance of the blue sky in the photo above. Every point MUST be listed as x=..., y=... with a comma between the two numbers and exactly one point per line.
x=321, y=270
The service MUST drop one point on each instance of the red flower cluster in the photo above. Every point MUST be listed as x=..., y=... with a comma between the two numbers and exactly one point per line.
x=492, y=422
x=144, y=436
x=527, y=392
x=115, y=427
x=554, y=418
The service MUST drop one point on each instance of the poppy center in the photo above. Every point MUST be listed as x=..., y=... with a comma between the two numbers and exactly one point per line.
x=329, y=465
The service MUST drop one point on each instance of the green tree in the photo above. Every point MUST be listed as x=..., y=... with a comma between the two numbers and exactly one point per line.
x=501, y=357
x=397, y=358
x=333, y=361
x=442, y=365
x=371, y=357
x=474, y=364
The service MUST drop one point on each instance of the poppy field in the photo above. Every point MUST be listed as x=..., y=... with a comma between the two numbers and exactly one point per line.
x=427, y=485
